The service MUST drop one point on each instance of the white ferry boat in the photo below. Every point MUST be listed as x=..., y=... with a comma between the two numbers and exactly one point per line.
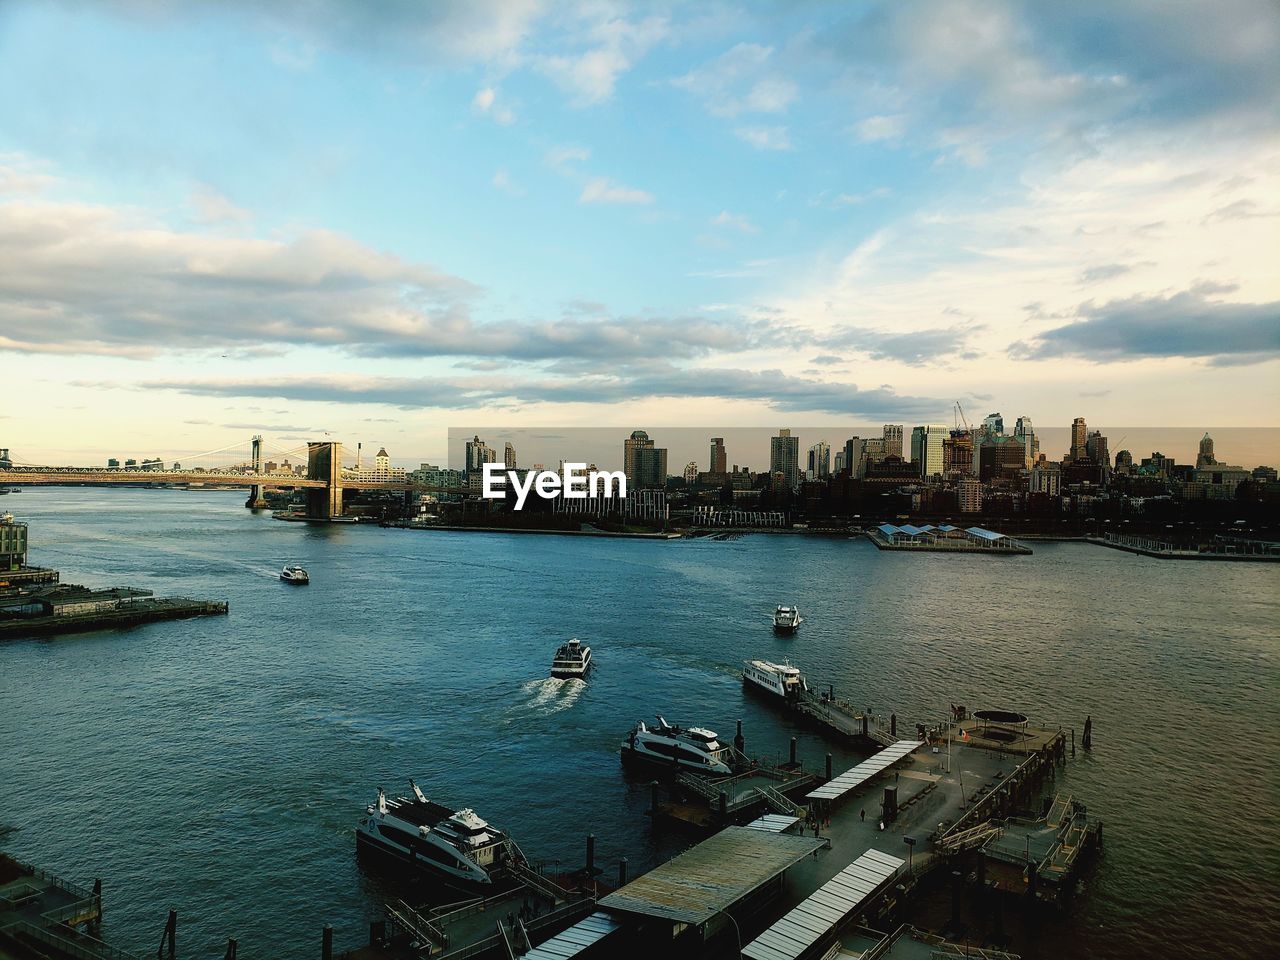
x=456, y=846
x=690, y=748
x=779, y=679
x=571, y=660
x=787, y=619
x=293, y=573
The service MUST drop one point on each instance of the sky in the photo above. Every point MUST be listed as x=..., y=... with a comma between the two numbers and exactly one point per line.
x=378, y=221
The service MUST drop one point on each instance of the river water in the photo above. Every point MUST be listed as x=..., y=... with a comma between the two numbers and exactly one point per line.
x=218, y=765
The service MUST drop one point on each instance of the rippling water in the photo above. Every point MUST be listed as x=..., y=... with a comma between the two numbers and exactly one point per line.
x=218, y=765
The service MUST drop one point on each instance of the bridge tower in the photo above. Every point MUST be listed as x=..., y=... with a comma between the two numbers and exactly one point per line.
x=324, y=462
x=257, y=498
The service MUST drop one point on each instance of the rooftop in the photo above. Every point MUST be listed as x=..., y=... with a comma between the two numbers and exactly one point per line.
x=712, y=876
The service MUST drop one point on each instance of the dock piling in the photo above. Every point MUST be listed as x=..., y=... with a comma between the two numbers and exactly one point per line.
x=793, y=750
x=169, y=939
x=591, y=854
x=829, y=768
x=739, y=741
x=231, y=949
x=1073, y=741
x=653, y=798
x=326, y=942
x=893, y=724
x=622, y=872
x=1086, y=739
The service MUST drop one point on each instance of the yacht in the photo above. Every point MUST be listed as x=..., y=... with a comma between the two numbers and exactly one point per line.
x=456, y=846
x=779, y=679
x=787, y=619
x=571, y=660
x=293, y=573
x=689, y=748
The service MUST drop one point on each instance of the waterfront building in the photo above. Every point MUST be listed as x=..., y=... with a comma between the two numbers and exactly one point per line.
x=1205, y=457
x=784, y=458
x=1079, y=439
x=13, y=544
x=969, y=495
x=893, y=440
x=719, y=462
x=644, y=464
x=381, y=471
x=926, y=449
x=819, y=461
x=509, y=457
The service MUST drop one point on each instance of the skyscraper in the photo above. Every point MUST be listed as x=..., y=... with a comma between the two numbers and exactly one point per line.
x=784, y=457
x=819, y=461
x=719, y=462
x=644, y=464
x=957, y=453
x=1095, y=448
x=690, y=473
x=893, y=440
x=926, y=448
x=992, y=426
x=1205, y=457
x=478, y=454
x=509, y=457
x=1023, y=431
x=1079, y=439
x=854, y=461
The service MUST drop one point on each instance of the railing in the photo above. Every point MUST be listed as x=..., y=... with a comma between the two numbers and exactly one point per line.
x=781, y=803
x=418, y=925
x=578, y=909
x=540, y=883
x=80, y=948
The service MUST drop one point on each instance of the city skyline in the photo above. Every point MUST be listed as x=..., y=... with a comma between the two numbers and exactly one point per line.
x=385, y=221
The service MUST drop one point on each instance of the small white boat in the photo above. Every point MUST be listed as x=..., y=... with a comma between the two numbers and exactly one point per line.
x=293, y=573
x=696, y=749
x=572, y=660
x=787, y=619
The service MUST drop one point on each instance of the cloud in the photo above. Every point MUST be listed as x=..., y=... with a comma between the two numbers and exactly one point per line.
x=875, y=129
x=211, y=207
x=486, y=102
x=563, y=158
x=604, y=190
x=920, y=348
x=735, y=221
x=1104, y=271
x=826, y=360
x=777, y=389
x=739, y=81
x=502, y=181
x=22, y=176
x=1186, y=324
x=765, y=138
x=613, y=45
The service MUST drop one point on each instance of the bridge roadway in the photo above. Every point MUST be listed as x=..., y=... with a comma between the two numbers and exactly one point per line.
x=75, y=476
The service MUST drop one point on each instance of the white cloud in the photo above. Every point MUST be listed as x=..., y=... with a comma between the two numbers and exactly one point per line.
x=563, y=158
x=502, y=181
x=736, y=221
x=211, y=207
x=486, y=101
x=604, y=190
x=766, y=138
x=739, y=81
x=874, y=129
x=613, y=46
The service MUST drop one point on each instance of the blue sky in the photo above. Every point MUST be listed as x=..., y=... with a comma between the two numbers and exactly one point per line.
x=381, y=219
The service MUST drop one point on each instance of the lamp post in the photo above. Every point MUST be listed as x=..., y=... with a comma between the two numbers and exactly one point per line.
x=736, y=932
x=910, y=842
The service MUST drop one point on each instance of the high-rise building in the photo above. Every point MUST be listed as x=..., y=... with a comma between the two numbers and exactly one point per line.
x=13, y=544
x=893, y=440
x=509, y=457
x=784, y=457
x=1045, y=478
x=1023, y=431
x=854, y=461
x=1205, y=457
x=478, y=454
x=1095, y=448
x=926, y=449
x=690, y=473
x=819, y=461
x=969, y=493
x=992, y=426
x=6, y=462
x=1079, y=439
x=837, y=463
x=1000, y=457
x=957, y=453
x=719, y=462
x=644, y=464
x=1124, y=462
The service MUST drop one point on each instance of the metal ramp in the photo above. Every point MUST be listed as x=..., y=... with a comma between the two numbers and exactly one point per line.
x=825, y=909
x=582, y=935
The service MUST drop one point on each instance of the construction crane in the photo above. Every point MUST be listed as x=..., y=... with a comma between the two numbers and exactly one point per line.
x=960, y=417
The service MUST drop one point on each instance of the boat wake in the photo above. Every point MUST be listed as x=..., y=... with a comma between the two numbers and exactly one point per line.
x=551, y=695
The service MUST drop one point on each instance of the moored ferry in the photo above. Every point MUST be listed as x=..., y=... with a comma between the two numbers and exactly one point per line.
x=572, y=660
x=455, y=846
x=695, y=749
x=779, y=679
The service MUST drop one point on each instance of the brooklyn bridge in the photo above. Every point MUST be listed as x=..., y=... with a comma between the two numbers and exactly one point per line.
x=324, y=480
